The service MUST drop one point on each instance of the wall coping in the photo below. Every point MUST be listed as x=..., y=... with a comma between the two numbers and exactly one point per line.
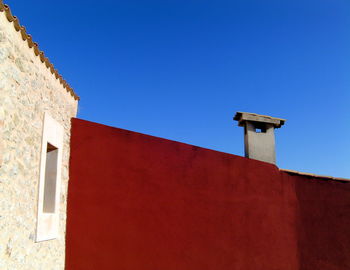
x=315, y=175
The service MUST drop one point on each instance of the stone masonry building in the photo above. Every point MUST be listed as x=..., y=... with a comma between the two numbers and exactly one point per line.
x=30, y=87
x=138, y=202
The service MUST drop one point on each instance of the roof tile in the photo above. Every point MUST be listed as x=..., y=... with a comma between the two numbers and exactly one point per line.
x=31, y=44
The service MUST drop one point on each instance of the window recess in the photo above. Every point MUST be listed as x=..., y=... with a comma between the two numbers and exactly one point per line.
x=50, y=180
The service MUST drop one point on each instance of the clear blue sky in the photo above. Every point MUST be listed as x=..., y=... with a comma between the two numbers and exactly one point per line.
x=180, y=69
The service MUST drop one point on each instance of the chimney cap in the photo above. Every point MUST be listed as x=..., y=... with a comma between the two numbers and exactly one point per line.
x=243, y=117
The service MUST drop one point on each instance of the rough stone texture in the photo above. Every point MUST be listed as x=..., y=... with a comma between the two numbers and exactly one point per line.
x=27, y=90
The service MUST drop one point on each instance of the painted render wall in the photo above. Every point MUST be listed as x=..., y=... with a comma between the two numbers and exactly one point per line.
x=146, y=203
x=27, y=90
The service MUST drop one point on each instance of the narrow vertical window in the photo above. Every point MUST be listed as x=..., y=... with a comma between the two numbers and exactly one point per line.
x=50, y=180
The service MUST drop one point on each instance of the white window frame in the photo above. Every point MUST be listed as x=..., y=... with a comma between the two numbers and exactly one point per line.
x=48, y=223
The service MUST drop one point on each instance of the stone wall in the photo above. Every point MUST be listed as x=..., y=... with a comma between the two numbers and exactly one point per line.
x=27, y=90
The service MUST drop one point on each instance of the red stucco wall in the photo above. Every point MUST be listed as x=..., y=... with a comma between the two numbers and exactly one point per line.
x=145, y=203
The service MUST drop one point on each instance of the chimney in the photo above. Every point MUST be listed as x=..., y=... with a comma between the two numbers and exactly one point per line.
x=259, y=135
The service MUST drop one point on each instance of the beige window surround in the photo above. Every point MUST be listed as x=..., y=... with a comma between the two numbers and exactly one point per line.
x=50, y=180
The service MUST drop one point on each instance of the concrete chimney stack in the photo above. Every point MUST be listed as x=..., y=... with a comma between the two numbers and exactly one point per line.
x=259, y=135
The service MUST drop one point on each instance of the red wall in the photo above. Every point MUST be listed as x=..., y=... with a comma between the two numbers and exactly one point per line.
x=145, y=203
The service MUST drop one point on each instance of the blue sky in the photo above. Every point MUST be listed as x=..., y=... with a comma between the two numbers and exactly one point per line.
x=181, y=69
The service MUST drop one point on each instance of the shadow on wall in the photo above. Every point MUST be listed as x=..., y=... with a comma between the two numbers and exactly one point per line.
x=323, y=223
